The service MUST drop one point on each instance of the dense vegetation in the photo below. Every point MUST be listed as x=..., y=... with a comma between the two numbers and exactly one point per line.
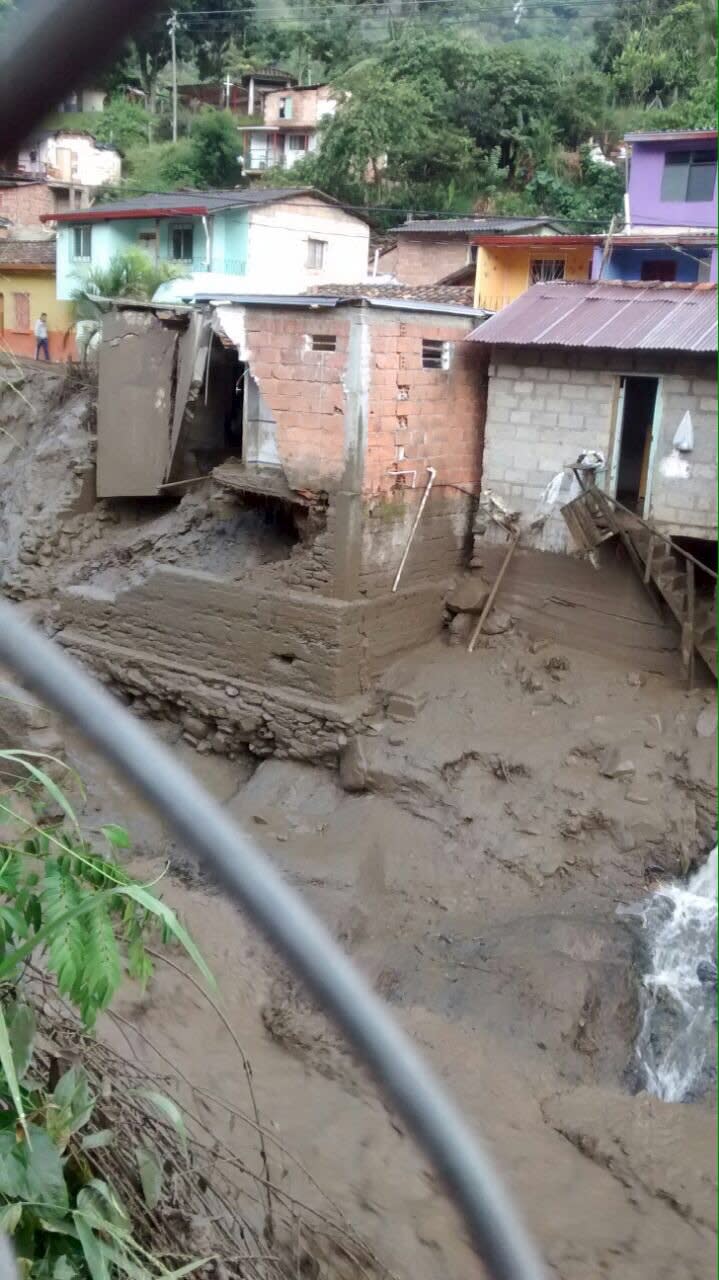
x=447, y=105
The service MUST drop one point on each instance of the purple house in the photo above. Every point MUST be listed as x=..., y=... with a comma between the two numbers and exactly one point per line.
x=673, y=180
x=670, y=210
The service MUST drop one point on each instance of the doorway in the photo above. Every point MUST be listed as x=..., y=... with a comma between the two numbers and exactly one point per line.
x=636, y=416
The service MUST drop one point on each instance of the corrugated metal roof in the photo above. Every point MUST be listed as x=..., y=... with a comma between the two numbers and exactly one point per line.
x=622, y=317
x=208, y=201
x=468, y=226
x=672, y=135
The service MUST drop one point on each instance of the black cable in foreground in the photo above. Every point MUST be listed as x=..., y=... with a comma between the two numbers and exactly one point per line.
x=251, y=880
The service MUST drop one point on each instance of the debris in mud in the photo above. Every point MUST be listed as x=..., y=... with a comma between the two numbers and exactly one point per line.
x=615, y=764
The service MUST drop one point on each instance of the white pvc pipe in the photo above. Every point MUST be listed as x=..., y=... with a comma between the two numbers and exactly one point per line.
x=432, y=473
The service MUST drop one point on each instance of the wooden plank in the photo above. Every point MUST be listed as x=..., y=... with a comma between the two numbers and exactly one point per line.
x=650, y=557
x=491, y=597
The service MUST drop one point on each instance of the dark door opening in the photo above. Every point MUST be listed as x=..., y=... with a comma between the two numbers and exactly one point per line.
x=659, y=269
x=635, y=441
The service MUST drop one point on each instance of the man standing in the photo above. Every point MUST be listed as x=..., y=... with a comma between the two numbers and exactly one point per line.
x=41, y=337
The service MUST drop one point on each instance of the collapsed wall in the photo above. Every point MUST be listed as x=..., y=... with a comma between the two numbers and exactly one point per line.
x=275, y=644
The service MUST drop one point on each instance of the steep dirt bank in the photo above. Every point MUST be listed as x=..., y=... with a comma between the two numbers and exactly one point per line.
x=475, y=879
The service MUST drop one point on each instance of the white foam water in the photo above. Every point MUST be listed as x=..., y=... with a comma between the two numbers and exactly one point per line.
x=678, y=999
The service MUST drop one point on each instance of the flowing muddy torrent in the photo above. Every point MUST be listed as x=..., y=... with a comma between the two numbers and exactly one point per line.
x=471, y=861
x=677, y=1036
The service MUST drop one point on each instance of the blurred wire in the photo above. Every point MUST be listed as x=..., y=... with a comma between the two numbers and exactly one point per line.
x=53, y=48
x=252, y=881
x=50, y=48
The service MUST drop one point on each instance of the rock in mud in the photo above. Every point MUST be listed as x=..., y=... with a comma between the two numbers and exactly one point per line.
x=613, y=763
x=706, y=725
x=469, y=596
x=354, y=766
x=405, y=706
x=497, y=622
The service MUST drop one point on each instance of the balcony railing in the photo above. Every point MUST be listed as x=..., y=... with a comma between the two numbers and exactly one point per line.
x=219, y=266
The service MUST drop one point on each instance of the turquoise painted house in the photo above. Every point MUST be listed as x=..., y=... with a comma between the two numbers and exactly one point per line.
x=267, y=240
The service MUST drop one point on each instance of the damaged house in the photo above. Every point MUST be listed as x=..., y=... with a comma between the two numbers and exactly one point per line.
x=624, y=374
x=352, y=420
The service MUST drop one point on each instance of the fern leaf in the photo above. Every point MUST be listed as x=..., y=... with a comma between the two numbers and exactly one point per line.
x=62, y=897
x=102, y=962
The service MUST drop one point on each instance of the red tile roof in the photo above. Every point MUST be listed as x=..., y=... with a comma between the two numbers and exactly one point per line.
x=458, y=295
x=30, y=253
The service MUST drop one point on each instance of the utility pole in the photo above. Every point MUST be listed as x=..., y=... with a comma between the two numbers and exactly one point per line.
x=172, y=28
x=228, y=86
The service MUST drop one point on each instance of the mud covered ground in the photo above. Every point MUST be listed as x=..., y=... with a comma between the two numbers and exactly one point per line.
x=473, y=871
x=470, y=855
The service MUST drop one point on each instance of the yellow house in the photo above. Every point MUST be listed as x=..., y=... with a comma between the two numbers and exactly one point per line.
x=507, y=265
x=27, y=288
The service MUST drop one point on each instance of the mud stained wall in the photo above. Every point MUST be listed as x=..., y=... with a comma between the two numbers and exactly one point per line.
x=544, y=408
x=363, y=421
x=135, y=402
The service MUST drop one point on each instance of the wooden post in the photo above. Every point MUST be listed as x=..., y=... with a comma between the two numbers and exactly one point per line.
x=491, y=597
x=650, y=557
x=688, y=632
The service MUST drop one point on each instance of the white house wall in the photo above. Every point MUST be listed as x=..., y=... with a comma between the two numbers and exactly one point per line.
x=89, y=165
x=278, y=249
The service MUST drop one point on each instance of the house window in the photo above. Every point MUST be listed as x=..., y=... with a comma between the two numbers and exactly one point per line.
x=21, y=305
x=316, y=254
x=435, y=354
x=659, y=269
x=286, y=108
x=296, y=142
x=689, y=176
x=324, y=342
x=82, y=244
x=181, y=244
x=541, y=269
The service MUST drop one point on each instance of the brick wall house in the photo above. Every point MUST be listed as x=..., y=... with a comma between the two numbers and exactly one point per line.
x=430, y=249
x=337, y=406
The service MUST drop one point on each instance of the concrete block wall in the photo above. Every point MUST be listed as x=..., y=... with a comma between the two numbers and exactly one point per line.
x=688, y=506
x=544, y=408
x=540, y=418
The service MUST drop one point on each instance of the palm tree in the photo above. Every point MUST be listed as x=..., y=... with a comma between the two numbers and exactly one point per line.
x=131, y=274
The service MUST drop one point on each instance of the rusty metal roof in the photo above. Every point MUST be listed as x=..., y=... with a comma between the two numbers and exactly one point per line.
x=622, y=317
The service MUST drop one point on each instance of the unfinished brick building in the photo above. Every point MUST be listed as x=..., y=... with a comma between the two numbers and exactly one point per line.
x=340, y=414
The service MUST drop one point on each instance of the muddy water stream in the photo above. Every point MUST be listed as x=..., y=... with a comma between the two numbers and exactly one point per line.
x=678, y=999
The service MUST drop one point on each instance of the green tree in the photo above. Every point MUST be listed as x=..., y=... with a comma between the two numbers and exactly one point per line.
x=208, y=157
x=124, y=124
x=386, y=133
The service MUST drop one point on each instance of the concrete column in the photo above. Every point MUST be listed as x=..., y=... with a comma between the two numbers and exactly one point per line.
x=348, y=504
